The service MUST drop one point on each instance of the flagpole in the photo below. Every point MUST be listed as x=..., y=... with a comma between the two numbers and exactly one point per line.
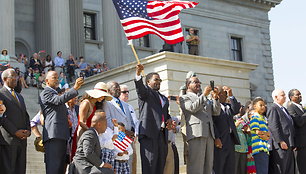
x=136, y=56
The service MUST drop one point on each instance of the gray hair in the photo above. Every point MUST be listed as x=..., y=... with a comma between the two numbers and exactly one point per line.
x=124, y=86
x=110, y=84
x=276, y=92
x=6, y=73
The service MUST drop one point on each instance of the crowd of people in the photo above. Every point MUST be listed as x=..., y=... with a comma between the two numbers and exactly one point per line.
x=97, y=133
x=32, y=70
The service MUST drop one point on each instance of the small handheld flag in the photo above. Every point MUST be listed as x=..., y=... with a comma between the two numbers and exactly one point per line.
x=122, y=142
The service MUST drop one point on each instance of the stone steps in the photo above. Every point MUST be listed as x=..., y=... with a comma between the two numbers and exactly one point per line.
x=35, y=160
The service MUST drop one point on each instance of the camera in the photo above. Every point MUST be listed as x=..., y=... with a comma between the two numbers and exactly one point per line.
x=82, y=75
x=172, y=98
x=212, y=85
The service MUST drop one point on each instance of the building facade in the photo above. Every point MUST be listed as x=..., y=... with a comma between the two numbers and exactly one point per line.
x=236, y=30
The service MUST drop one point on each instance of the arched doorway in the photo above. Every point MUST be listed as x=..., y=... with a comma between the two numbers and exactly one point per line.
x=21, y=48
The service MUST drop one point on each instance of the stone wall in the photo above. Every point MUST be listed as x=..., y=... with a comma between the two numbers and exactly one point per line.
x=173, y=68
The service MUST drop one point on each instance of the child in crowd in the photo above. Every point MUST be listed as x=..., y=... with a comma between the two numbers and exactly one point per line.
x=121, y=165
x=36, y=75
x=63, y=84
x=243, y=124
x=260, y=136
x=241, y=150
x=106, y=143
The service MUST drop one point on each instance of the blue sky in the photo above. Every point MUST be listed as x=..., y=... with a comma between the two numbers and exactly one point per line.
x=288, y=39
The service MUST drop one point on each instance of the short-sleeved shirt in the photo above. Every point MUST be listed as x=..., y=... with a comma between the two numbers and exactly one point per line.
x=83, y=65
x=259, y=122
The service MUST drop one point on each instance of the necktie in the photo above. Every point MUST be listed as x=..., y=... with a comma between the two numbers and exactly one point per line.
x=163, y=117
x=286, y=113
x=14, y=95
x=120, y=105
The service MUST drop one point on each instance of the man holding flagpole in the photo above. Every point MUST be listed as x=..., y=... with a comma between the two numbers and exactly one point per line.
x=140, y=18
x=154, y=122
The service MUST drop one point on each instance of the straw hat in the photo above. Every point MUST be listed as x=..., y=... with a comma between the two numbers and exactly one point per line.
x=99, y=90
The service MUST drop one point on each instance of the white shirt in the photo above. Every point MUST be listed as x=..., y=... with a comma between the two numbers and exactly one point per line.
x=299, y=106
x=106, y=138
x=9, y=89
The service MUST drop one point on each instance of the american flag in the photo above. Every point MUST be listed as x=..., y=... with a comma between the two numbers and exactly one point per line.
x=142, y=17
x=122, y=142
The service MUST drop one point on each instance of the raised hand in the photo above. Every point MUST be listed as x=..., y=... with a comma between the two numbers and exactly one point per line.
x=78, y=83
x=228, y=90
x=207, y=90
x=139, y=69
x=115, y=123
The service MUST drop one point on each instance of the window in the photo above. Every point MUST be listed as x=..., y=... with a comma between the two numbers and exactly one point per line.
x=90, y=26
x=196, y=31
x=143, y=41
x=236, y=51
x=193, y=45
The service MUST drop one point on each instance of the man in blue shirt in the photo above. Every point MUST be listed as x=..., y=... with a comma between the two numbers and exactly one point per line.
x=59, y=62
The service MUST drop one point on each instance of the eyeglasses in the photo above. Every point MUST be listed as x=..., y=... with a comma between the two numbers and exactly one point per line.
x=196, y=82
x=124, y=92
x=160, y=80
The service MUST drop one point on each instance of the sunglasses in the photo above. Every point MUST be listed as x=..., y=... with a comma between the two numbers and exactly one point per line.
x=124, y=92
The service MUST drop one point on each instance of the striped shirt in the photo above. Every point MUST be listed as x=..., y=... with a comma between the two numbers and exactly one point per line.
x=259, y=122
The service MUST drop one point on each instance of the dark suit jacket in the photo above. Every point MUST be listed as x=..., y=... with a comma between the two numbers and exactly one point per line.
x=88, y=153
x=299, y=119
x=55, y=113
x=14, y=118
x=150, y=111
x=225, y=122
x=33, y=66
x=280, y=126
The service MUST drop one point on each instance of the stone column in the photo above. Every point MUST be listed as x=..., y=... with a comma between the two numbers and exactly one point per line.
x=112, y=37
x=77, y=27
x=60, y=27
x=7, y=29
x=42, y=26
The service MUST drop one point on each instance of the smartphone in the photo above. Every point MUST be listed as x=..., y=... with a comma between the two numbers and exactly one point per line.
x=172, y=98
x=82, y=75
x=212, y=84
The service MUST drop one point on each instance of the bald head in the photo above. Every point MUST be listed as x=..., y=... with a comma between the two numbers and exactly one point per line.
x=52, y=79
x=98, y=121
x=50, y=74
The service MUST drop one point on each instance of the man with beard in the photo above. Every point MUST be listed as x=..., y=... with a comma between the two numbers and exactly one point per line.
x=153, y=122
x=298, y=115
x=56, y=128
